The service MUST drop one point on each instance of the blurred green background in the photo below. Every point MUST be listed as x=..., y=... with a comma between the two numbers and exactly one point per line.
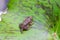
x=46, y=16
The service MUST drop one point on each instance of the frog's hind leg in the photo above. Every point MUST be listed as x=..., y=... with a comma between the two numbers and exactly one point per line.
x=26, y=28
x=21, y=30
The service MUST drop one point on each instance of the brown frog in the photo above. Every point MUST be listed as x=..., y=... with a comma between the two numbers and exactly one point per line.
x=26, y=24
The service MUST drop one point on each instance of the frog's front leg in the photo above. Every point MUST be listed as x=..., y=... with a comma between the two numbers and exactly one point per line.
x=26, y=28
x=30, y=23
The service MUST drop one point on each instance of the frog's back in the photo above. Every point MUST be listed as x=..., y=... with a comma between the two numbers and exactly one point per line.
x=27, y=21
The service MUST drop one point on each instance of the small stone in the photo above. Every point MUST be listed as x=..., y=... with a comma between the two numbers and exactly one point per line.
x=0, y=18
x=5, y=11
x=1, y=13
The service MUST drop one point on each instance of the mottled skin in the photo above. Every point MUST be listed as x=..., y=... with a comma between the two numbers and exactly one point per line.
x=26, y=24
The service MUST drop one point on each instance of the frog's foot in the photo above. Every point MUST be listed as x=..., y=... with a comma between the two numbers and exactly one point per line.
x=21, y=30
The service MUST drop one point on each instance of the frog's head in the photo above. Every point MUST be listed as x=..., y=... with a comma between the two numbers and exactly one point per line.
x=30, y=17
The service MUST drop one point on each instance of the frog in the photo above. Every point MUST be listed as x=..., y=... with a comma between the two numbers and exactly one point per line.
x=25, y=25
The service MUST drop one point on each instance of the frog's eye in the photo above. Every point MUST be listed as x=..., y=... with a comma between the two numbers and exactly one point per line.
x=30, y=17
x=27, y=17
